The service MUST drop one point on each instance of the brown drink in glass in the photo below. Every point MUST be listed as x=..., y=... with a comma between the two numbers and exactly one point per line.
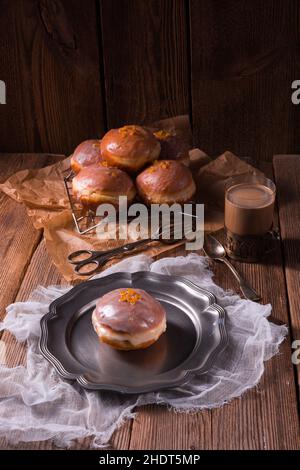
x=249, y=209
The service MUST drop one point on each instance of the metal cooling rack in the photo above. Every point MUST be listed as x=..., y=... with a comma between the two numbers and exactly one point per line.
x=85, y=220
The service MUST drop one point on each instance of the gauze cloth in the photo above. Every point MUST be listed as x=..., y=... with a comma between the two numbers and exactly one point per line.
x=36, y=404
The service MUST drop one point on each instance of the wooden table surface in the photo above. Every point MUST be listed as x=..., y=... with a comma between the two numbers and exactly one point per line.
x=266, y=417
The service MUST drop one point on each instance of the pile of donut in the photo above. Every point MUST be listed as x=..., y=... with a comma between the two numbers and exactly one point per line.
x=157, y=161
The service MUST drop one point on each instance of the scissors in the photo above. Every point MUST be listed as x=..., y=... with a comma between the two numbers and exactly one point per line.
x=96, y=259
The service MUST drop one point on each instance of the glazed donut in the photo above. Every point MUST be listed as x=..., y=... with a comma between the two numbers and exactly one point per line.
x=93, y=186
x=129, y=319
x=87, y=153
x=173, y=147
x=130, y=147
x=166, y=182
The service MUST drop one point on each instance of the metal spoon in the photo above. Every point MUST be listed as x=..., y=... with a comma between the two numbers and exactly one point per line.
x=216, y=251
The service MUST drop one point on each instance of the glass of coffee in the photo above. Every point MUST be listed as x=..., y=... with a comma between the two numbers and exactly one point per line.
x=249, y=210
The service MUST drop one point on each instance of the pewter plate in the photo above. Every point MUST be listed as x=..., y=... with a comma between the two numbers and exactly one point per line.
x=195, y=336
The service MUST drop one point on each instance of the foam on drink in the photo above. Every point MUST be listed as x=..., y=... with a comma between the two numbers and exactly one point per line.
x=249, y=208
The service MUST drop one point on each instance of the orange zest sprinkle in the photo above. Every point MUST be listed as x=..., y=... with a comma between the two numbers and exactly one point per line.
x=129, y=130
x=164, y=164
x=129, y=295
x=162, y=134
x=152, y=169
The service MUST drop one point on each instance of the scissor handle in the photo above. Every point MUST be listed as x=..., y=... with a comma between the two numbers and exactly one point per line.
x=82, y=272
x=72, y=258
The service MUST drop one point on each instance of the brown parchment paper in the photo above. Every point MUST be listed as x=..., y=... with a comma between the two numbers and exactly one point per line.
x=43, y=193
x=41, y=190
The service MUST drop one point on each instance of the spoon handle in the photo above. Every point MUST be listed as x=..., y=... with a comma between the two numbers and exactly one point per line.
x=247, y=290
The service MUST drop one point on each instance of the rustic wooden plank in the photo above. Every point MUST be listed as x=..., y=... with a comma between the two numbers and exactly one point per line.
x=10, y=163
x=243, y=61
x=156, y=427
x=145, y=59
x=18, y=236
x=287, y=177
x=41, y=271
x=50, y=63
x=265, y=417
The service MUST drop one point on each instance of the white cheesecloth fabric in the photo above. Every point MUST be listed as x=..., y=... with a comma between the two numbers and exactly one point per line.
x=36, y=404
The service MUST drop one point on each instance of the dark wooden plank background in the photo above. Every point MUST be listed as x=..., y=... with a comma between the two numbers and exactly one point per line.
x=49, y=60
x=73, y=69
